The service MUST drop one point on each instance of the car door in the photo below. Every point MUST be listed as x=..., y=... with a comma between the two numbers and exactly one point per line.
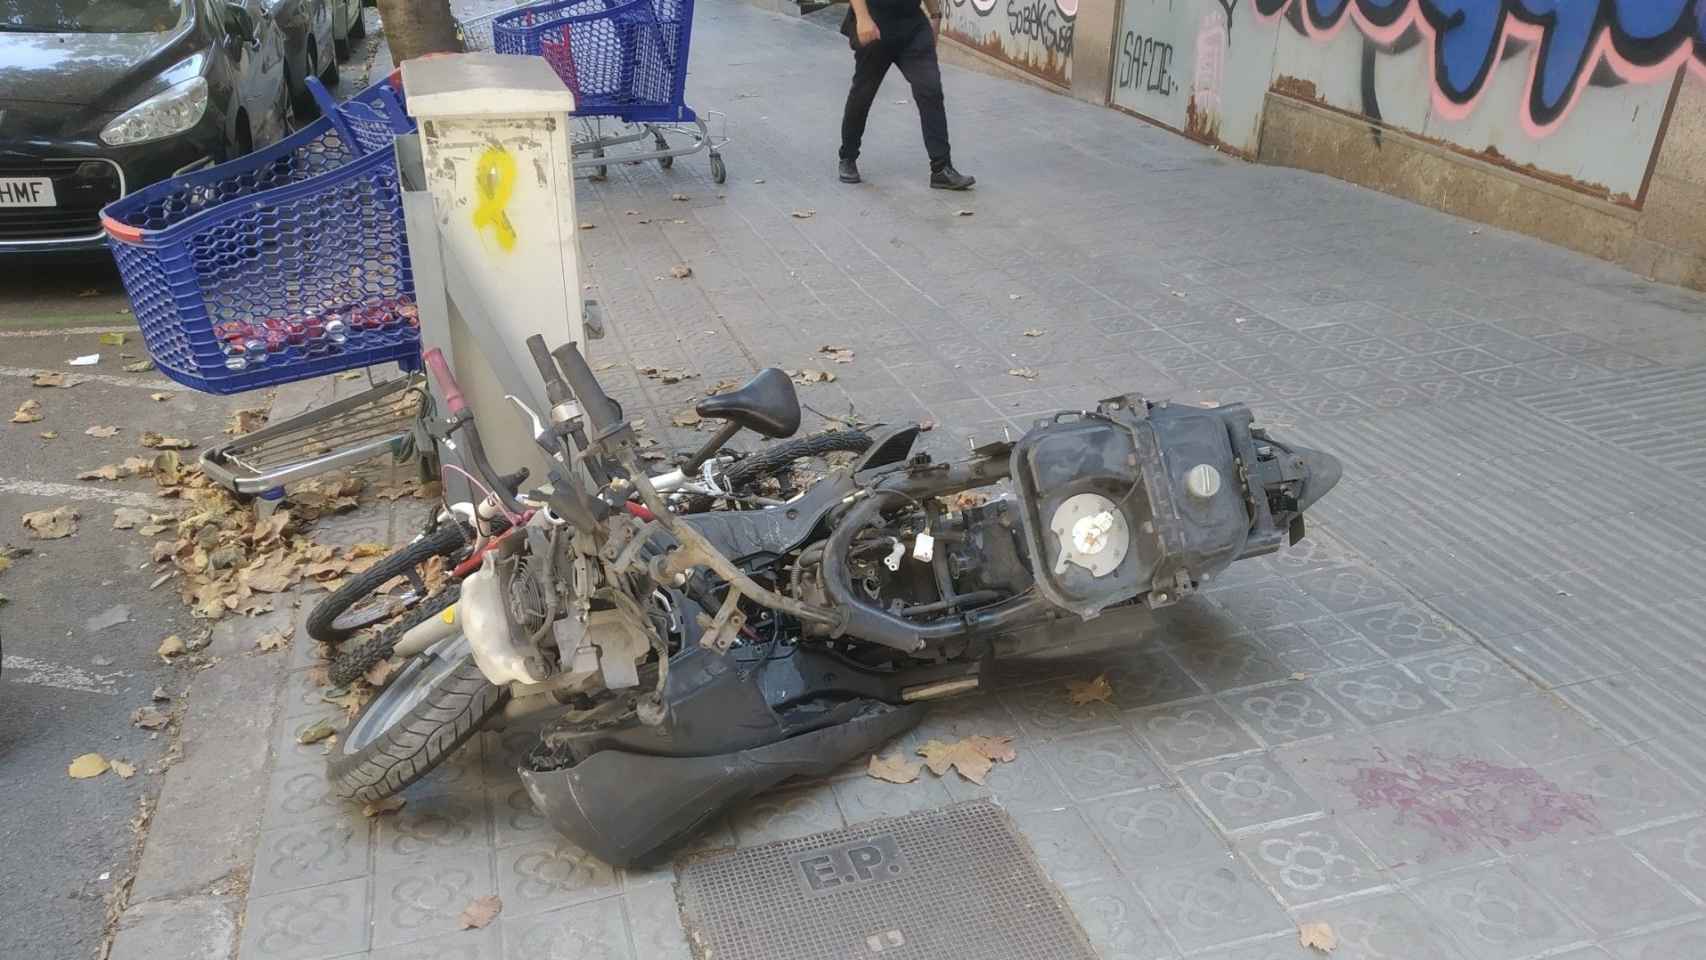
x=259, y=64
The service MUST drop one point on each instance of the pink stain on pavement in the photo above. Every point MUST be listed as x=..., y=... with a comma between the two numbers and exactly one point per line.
x=1462, y=799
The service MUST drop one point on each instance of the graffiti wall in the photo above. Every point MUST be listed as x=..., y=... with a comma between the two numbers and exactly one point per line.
x=1573, y=91
x=1035, y=35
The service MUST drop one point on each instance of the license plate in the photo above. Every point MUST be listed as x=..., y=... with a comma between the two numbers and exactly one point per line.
x=26, y=192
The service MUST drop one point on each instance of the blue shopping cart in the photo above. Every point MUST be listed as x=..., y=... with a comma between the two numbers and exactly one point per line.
x=286, y=264
x=624, y=60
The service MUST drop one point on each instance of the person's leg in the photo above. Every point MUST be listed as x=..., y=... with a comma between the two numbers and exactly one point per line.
x=917, y=62
x=870, y=64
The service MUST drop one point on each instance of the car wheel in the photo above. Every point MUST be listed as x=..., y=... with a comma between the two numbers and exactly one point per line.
x=245, y=136
x=302, y=103
x=358, y=29
x=329, y=76
x=340, y=49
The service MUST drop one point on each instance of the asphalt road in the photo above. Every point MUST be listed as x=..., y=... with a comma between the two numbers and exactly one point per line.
x=79, y=633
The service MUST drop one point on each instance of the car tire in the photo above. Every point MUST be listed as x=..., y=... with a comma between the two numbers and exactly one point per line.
x=358, y=29
x=329, y=76
x=302, y=103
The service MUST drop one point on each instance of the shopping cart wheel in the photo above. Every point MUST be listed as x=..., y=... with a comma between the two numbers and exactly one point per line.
x=663, y=147
x=603, y=172
x=719, y=172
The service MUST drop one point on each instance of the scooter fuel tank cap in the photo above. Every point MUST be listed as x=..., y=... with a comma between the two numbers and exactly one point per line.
x=1092, y=533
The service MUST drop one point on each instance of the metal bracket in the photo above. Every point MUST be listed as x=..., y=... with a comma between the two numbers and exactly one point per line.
x=720, y=632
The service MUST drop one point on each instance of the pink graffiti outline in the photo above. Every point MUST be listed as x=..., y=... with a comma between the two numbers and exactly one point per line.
x=1602, y=51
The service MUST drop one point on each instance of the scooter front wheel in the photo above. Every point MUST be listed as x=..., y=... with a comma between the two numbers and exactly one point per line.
x=433, y=705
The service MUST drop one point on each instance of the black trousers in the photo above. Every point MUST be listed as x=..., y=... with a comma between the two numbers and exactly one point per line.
x=915, y=55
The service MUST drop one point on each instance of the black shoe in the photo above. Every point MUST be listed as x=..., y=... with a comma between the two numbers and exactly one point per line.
x=850, y=172
x=948, y=178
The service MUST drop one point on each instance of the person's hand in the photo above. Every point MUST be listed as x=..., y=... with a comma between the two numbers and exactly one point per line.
x=868, y=32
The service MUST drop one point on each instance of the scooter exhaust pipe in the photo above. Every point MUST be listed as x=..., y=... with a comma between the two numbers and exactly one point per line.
x=419, y=637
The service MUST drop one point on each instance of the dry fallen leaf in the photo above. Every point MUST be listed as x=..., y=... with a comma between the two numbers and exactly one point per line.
x=804, y=214
x=155, y=441
x=161, y=397
x=49, y=434
x=170, y=647
x=48, y=378
x=679, y=196
x=1035, y=332
x=52, y=524
x=1300, y=675
x=86, y=766
x=123, y=769
x=837, y=354
x=272, y=640
x=1023, y=373
x=246, y=421
x=167, y=468
x=316, y=733
x=964, y=213
x=666, y=375
x=1318, y=936
x=149, y=718
x=894, y=768
x=1082, y=692
x=380, y=672
x=481, y=911
x=28, y=412
x=101, y=432
x=973, y=756
x=686, y=418
x=681, y=271
x=585, y=225
x=379, y=808
x=808, y=375
x=126, y=518
x=140, y=366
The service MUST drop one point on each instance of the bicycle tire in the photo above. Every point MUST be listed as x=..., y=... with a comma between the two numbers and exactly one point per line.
x=353, y=663
x=779, y=457
x=322, y=622
x=447, y=716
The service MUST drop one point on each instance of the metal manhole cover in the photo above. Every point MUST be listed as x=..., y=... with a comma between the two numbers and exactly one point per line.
x=953, y=884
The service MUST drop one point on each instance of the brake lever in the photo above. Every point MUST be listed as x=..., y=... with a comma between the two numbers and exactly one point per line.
x=539, y=431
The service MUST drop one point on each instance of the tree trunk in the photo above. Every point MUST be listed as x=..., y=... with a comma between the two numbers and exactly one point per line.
x=414, y=27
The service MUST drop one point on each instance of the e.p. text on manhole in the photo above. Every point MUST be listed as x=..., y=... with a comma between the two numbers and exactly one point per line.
x=952, y=884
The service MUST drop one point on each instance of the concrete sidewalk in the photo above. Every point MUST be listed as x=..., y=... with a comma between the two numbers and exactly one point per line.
x=1460, y=721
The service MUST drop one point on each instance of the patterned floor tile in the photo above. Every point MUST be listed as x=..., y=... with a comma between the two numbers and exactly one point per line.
x=590, y=931
x=1155, y=827
x=1605, y=887
x=1096, y=764
x=461, y=945
x=1045, y=712
x=1286, y=713
x=1404, y=630
x=547, y=874
x=433, y=828
x=1310, y=862
x=1383, y=694
x=1117, y=922
x=1066, y=847
x=1210, y=903
x=867, y=798
x=1189, y=732
x=1248, y=792
x=416, y=904
x=784, y=814
x=311, y=854
x=325, y=921
x=1469, y=676
x=1678, y=850
x=1538, y=730
x=1496, y=915
x=1387, y=927
x=1676, y=943
x=655, y=922
x=1627, y=791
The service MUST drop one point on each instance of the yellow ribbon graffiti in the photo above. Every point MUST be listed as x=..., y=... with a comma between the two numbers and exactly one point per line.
x=494, y=181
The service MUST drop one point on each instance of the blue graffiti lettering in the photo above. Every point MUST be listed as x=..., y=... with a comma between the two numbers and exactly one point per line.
x=1635, y=35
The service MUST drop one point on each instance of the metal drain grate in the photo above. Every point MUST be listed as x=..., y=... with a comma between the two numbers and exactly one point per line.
x=952, y=884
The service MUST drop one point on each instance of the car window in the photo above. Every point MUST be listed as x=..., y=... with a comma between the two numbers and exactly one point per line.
x=91, y=16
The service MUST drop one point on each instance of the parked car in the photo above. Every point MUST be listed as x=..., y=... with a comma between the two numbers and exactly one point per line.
x=304, y=27
x=347, y=25
x=102, y=97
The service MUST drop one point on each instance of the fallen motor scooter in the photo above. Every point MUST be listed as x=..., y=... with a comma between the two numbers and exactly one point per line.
x=682, y=663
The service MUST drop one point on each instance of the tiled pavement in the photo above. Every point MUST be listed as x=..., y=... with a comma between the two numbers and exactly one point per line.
x=1461, y=721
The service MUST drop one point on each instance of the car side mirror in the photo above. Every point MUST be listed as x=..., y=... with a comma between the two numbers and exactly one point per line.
x=238, y=22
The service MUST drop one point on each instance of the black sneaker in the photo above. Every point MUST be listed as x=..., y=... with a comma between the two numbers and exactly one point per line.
x=850, y=172
x=948, y=178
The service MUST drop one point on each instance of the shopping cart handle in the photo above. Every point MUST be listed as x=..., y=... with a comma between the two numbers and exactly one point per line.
x=446, y=382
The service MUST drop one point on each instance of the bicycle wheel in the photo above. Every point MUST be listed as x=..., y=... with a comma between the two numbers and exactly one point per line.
x=358, y=603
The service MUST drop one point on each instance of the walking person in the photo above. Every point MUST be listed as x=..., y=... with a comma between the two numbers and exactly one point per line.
x=896, y=32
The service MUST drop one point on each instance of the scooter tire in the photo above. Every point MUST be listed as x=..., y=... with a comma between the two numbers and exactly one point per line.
x=457, y=707
x=352, y=663
x=323, y=622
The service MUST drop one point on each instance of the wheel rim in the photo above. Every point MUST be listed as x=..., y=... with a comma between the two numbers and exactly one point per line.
x=374, y=609
x=405, y=691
